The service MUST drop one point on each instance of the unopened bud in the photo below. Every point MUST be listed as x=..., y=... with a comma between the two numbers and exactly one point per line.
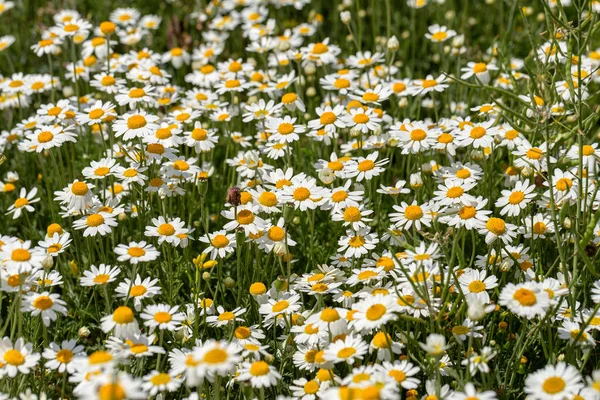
x=234, y=196
x=83, y=332
x=393, y=44
x=229, y=283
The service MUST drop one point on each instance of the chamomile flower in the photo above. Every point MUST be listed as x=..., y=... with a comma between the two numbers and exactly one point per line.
x=162, y=316
x=23, y=203
x=18, y=357
x=348, y=350
x=101, y=275
x=121, y=322
x=527, y=299
x=365, y=168
x=47, y=305
x=63, y=357
x=258, y=374
x=135, y=252
x=553, y=382
x=516, y=200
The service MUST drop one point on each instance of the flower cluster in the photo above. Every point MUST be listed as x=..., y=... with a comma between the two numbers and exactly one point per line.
x=265, y=210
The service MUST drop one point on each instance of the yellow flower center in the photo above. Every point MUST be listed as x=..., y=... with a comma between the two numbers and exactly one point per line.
x=137, y=290
x=496, y=226
x=352, y=214
x=162, y=317
x=94, y=220
x=220, y=241
x=285, y=128
x=516, y=197
x=366, y=165
x=123, y=315
x=477, y=132
x=64, y=356
x=534, y=153
x=20, y=255
x=280, y=306
x=413, y=212
x=45, y=137
x=166, y=230
x=476, y=287
x=259, y=368
x=346, y=352
x=136, y=122
x=479, y=68
x=455, y=192
x=14, y=357
x=554, y=384
x=327, y=118
x=245, y=217
x=375, y=312
x=43, y=302
x=525, y=297
x=330, y=315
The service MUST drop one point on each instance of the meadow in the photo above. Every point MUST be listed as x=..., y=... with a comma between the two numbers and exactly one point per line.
x=295, y=199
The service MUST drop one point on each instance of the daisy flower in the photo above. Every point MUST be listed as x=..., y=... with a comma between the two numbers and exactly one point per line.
x=554, y=382
x=135, y=97
x=17, y=358
x=98, y=223
x=534, y=157
x=497, y=228
x=373, y=312
x=225, y=318
x=474, y=285
x=329, y=119
x=478, y=135
x=97, y=113
x=352, y=216
x=429, y=84
x=361, y=120
x=133, y=125
x=304, y=194
x=217, y=358
x=357, y=244
x=515, y=200
x=64, y=357
x=403, y=373
x=287, y=305
x=167, y=230
x=162, y=316
x=283, y=129
x=246, y=219
x=138, y=290
x=47, y=305
x=135, y=252
x=23, y=203
x=159, y=382
x=409, y=215
x=439, y=34
x=20, y=257
x=365, y=168
x=202, y=140
x=101, y=275
x=480, y=70
x=527, y=299
x=258, y=373
x=220, y=243
x=121, y=322
x=348, y=350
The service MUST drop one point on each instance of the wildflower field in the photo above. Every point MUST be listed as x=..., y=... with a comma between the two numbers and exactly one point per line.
x=295, y=199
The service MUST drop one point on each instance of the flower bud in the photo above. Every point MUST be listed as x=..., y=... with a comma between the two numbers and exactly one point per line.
x=310, y=69
x=346, y=17
x=48, y=262
x=229, y=283
x=326, y=176
x=393, y=44
x=206, y=275
x=83, y=332
x=234, y=196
